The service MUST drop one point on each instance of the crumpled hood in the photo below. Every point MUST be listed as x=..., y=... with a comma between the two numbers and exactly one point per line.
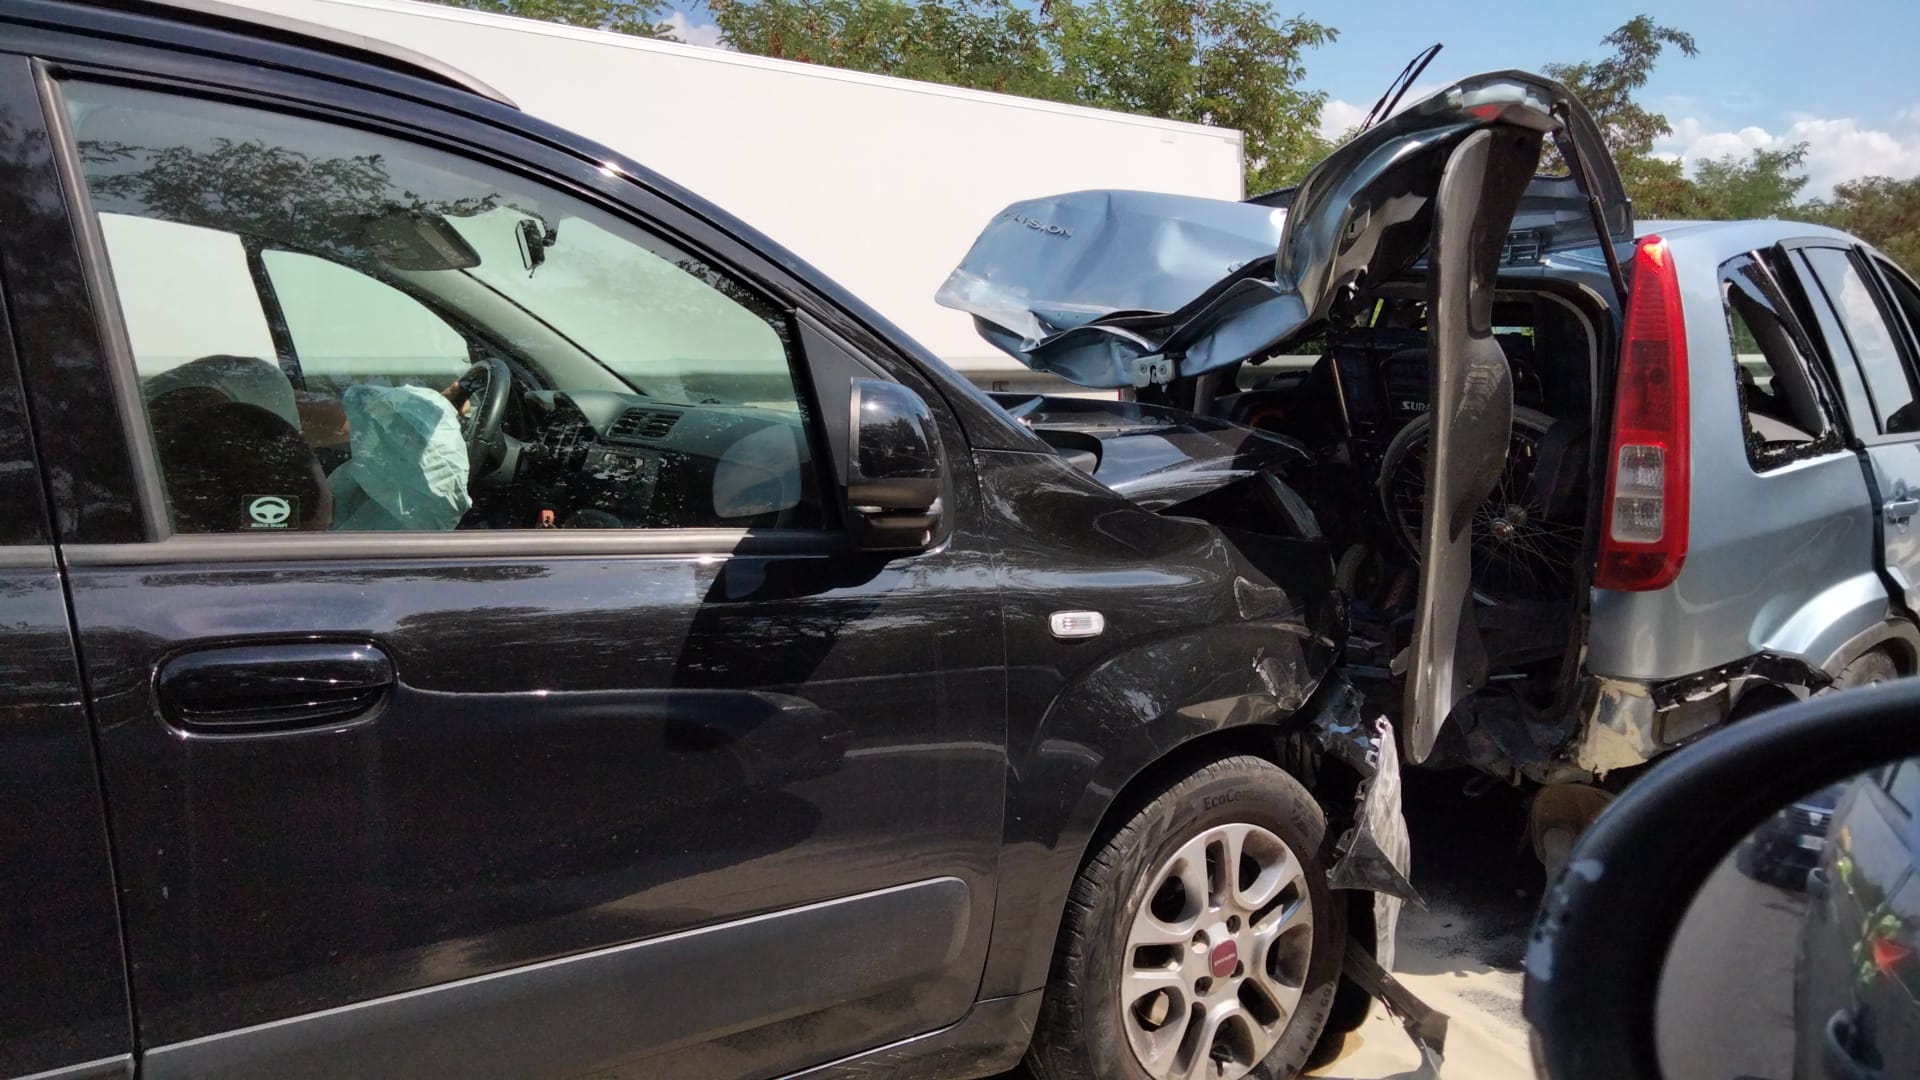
x=1156, y=457
x=1123, y=288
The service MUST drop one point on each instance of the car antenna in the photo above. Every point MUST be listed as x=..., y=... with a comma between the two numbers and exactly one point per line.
x=1401, y=83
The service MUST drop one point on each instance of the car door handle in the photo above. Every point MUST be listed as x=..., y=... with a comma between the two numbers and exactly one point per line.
x=1843, y=1060
x=273, y=686
x=1902, y=508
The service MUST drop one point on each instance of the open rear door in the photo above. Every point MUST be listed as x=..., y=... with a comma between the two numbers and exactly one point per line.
x=1472, y=408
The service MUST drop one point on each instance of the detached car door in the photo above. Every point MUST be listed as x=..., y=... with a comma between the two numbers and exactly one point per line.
x=484, y=680
x=1869, y=311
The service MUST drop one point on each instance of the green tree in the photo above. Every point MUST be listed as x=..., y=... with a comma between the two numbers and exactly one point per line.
x=1760, y=185
x=1878, y=209
x=642, y=17
x=1230, y=63
x=984, y=44
x=1608, y=87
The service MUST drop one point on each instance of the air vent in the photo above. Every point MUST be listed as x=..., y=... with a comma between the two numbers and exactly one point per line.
x=642, y=425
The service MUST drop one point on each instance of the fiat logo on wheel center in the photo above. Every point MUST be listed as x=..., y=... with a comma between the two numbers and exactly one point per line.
x=1224, y=958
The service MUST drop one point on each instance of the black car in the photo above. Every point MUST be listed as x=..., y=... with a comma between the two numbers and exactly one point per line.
x=474, y=608
x=1785, y=849
x=1857, y=978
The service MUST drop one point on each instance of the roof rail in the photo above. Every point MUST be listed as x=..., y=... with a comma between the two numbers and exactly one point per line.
x=221, y=15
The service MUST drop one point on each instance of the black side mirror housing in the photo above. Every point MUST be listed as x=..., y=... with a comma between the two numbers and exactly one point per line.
x=895, y=471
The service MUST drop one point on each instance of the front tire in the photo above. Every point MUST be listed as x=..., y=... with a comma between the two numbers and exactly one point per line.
x=1870, y=668
x=1199, y=940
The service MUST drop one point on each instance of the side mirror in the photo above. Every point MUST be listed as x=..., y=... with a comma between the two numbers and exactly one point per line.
x=1748, y=908
x=895, y=472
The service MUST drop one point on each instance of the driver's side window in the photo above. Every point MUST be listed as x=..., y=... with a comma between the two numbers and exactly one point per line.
x=339, y=330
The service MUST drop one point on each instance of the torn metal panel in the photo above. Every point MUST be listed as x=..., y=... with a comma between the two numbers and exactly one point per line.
x=1618, y=723
x=1503, y=736
x=1376, y=852
x=1620, y=728
x=1155, y=456
x=1425, y=1025
x=1767, y=667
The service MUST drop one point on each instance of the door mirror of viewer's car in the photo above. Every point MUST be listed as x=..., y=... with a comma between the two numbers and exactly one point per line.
x=895, y=472
x=1750, y=908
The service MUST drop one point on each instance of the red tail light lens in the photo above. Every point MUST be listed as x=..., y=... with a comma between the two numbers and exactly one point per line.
x=1888, y=955
x=1643, y=538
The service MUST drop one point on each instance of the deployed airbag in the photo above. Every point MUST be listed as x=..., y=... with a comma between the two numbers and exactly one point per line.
x=409, y=466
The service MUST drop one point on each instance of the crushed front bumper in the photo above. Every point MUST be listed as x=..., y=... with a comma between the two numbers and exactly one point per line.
x=1375, y=854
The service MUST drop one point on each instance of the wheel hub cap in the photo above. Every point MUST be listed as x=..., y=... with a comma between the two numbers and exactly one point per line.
x=1226, y=957
x=1216, y=959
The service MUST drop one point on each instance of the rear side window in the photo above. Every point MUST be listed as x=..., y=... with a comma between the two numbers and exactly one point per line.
x=1889, y=381
x=1784, y=405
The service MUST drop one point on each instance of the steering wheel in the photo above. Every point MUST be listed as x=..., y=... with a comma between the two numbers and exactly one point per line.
x=486, y=385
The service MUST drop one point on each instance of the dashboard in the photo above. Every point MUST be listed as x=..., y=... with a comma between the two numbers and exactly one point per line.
x=600, y=459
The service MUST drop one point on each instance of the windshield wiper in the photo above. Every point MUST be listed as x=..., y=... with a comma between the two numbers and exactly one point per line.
x=1401, y=83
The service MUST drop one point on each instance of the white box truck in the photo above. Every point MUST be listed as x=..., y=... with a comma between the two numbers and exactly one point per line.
x=882, y=183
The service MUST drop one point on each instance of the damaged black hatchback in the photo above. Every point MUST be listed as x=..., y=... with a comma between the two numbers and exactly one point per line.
x=475, y=607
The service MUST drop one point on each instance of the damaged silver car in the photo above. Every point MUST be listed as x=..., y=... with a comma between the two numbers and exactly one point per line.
x=1594, y=487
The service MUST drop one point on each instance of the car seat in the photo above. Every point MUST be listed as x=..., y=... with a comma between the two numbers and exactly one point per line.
x=229, y=466
x=245, y=379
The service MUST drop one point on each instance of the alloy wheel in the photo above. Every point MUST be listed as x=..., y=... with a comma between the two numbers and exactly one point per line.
x=1217, y=955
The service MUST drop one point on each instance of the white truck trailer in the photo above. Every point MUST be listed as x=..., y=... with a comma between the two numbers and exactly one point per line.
x=882, y=183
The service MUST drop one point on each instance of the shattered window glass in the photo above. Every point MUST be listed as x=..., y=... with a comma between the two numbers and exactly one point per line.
x=1784, y=403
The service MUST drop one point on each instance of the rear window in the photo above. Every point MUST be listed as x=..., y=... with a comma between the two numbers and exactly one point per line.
x=1785, y=407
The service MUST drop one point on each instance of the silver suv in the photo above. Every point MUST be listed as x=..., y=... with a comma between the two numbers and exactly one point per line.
x=1590, y=500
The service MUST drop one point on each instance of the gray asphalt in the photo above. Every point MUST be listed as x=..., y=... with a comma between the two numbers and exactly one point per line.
x=1725, y=1006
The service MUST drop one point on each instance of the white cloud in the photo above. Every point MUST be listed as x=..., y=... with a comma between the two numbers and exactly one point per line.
x=681, y=28
x=1909, y=115
x=1339, y=117
x=1838, y=148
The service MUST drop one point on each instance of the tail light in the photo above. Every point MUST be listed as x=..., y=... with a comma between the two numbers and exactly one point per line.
x=1888, y=955
x=1644, y=536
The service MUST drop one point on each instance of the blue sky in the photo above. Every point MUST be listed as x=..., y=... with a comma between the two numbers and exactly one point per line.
x=1840, y=75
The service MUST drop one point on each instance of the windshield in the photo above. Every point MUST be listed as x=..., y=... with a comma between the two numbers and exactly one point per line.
x=689, y=340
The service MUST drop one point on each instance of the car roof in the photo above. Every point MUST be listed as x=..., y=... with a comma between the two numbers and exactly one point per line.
x=1713, y=239
x=1750, y=232
x=221, y=15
